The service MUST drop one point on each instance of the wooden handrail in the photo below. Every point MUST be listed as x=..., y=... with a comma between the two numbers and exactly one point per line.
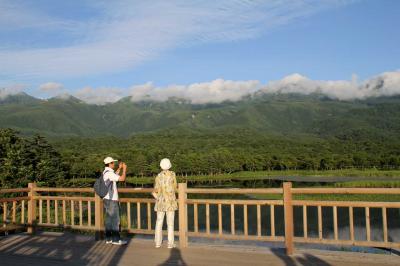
x=234, y=190
x=235, y=201
x=225, y=190
x=135, y=190
x=74, y=198
x=345, y=190
x=13, y=190
x=348, y=242
x=90, y=190
x=82, y=209
x=288, y=212
x=324, y=203
x=183, y=224
x=56, y=189
x=14, y=199
x=141, y=200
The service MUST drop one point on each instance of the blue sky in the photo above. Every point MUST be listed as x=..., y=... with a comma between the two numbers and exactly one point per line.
x=95, y=47
x=362, y=38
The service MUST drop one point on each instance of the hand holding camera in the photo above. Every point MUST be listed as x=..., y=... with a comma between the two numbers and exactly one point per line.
x=121, y=166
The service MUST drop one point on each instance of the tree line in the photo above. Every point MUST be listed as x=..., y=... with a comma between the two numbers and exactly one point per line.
x=56, y=161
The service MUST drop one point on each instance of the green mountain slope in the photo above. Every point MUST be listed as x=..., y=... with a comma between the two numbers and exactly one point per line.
x=279, y=114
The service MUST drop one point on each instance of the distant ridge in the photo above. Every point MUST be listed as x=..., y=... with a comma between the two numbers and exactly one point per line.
x=19, y=98
x=279, y=114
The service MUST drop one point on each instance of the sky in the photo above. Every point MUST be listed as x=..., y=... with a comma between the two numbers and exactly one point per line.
x=204, y=51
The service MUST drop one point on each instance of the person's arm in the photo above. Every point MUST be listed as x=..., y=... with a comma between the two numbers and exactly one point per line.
x=156, y=188
x=154, y=194
x=123, y=176
x=119, y=168
x=175, y=183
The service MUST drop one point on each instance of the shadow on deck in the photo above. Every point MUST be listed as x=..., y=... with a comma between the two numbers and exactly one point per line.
x=57, y=248
x=73, y=249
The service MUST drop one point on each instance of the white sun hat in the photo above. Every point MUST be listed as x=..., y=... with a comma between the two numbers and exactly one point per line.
x=109, y=160
x=165, y=164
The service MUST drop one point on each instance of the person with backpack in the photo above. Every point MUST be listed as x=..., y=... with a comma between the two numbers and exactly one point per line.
x=111, y=200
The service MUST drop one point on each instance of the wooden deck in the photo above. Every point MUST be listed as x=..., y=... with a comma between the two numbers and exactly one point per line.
x=73, y=249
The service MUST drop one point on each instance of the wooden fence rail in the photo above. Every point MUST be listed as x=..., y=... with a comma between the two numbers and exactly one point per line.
x=200, y=216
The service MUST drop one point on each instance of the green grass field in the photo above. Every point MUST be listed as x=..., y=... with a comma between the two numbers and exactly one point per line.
x=372, y=176
x=334, y=178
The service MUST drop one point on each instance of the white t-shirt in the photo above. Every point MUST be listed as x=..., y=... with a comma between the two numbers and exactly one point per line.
x=109, y=174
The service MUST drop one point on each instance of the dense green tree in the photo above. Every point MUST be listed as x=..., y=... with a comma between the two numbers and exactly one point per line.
x=27, y=160
x=55, y=161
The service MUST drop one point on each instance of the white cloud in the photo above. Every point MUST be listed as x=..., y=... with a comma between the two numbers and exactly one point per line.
x=215, y=91
x=199, y=93
x=219, y=90
x=99, y=95
x=63, y=96
x=126, y=33
x=385, y=84
x=52, y=87
x=11, y=90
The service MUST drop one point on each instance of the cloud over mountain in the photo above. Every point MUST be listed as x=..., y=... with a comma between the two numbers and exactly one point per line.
x=52, y=89
x=11, y=90
x=219, y=90
x=385, y=84
x=99, y=95
x=215, y=91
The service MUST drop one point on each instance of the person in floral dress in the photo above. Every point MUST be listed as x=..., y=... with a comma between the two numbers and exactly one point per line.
x=165, y=187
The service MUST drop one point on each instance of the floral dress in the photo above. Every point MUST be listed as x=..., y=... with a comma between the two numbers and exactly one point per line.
x=165, y=187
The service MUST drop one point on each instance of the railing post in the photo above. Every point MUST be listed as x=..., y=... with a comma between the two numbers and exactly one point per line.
x=31, y=208
x=98, y=217
x=288, y=210
x=182, y=196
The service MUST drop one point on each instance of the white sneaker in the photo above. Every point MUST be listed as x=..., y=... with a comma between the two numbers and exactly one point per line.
x=171, y=246
x=158, y=246
x=108, y=241
x=119, y=243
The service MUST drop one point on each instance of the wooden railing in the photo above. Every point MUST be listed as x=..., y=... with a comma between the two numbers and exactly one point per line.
x=81, y=209
x=232, y=205
x=350, y=205
x=14, y=210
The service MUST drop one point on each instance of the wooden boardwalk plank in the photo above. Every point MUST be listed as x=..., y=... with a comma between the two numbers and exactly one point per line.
x=72, y=249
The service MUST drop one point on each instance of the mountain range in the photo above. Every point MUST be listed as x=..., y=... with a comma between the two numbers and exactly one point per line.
x=274, y=114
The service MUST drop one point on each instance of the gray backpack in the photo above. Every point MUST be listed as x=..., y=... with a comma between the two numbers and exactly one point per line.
x=101, y=187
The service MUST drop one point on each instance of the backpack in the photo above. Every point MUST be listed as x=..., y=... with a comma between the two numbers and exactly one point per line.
x=100, y=187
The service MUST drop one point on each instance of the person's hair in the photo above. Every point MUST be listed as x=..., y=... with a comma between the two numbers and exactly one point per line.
x=107, y=164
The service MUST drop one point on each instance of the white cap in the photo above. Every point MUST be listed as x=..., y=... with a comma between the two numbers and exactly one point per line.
x=109, y=160
x=165, y=164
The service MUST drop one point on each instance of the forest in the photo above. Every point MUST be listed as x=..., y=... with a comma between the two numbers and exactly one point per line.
x=57, y=161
